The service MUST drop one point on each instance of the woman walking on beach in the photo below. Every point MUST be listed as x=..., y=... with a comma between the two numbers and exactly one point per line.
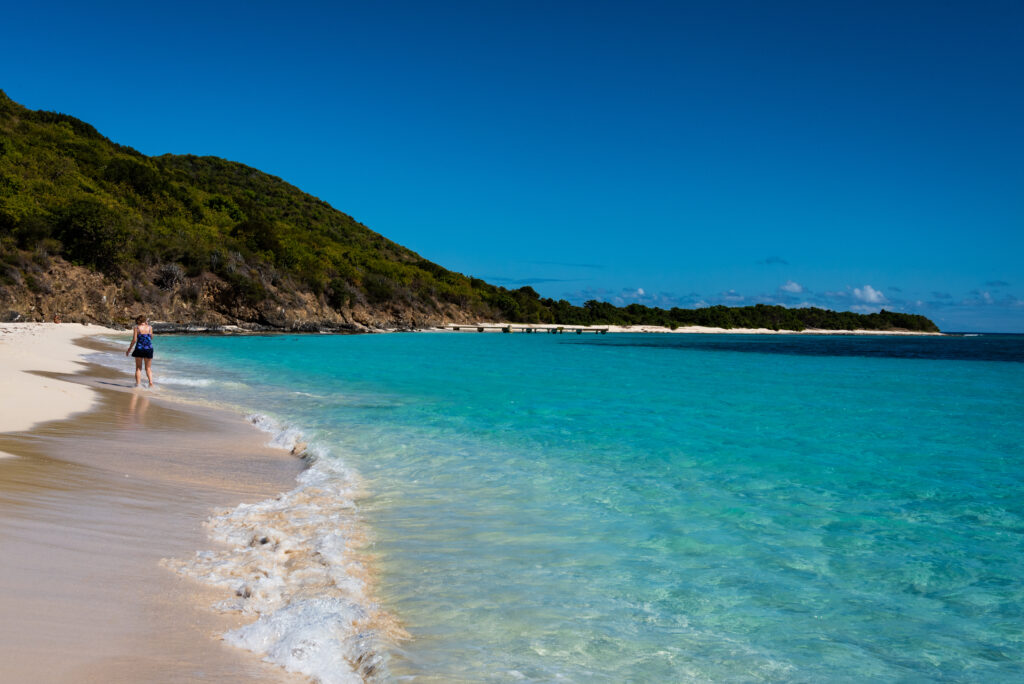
x=142, y=340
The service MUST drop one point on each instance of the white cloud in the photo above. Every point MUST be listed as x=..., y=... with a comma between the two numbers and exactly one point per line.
x=869, y=294
x=986, y=299
x=790, y=286
x=632, y=295
x=638, y=296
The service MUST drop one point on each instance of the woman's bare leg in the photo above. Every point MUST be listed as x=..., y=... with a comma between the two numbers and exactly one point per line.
x=149, y=371
x=138, y=371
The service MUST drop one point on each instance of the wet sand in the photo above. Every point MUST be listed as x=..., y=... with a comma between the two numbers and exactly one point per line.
x=88, y=508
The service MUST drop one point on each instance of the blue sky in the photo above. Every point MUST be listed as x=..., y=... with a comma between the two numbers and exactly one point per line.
x=852, y=155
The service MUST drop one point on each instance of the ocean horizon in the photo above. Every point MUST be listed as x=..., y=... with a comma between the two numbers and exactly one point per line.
x=626, y=507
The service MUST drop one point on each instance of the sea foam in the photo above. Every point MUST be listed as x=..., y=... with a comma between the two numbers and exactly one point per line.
x=295, y=562
x=116, y=360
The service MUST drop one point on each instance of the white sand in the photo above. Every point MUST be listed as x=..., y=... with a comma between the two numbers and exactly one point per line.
x=697, y=329
x=27, y=399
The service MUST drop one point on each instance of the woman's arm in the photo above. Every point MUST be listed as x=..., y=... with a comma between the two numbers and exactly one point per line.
x=135, y=336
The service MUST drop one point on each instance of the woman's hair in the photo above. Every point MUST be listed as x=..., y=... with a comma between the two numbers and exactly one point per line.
x=140, y=319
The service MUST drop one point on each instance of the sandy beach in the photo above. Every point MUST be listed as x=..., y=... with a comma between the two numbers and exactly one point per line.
x=99, y=482
x=29, y=350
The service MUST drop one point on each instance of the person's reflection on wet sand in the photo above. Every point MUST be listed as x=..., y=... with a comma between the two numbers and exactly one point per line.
x=137, y=407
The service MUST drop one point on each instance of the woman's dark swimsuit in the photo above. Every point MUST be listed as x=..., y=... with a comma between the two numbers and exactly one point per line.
x=143, y=347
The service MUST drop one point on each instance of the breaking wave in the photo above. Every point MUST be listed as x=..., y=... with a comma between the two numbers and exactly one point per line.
x=296, y=562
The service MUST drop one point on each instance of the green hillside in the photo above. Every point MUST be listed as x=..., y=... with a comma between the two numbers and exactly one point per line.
x=205, y=238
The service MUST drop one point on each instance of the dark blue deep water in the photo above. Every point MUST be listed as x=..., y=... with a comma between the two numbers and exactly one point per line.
x=969, y=347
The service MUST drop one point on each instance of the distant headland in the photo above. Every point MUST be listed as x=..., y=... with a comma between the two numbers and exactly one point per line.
x=96, y=232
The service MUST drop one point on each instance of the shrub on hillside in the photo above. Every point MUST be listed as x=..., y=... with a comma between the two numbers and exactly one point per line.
x=139, y=176
x=94, y=235
x=169, y=277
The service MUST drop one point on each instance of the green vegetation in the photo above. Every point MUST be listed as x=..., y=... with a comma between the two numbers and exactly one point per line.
x=161, y=222
x=760, y=316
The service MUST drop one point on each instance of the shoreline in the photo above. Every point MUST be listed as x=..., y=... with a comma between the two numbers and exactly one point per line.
x=165, y=328
x=657, y=330
x=77, y=470
x=99, y=484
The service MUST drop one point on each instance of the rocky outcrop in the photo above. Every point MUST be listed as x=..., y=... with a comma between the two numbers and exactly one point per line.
x=35, y=288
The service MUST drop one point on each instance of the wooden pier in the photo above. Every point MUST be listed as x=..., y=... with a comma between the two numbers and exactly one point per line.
x=553, y=330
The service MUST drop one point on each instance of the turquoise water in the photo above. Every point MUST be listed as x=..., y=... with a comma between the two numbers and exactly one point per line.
x=666, y=508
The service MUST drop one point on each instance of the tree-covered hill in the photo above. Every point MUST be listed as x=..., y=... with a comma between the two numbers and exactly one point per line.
x=93, y=229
